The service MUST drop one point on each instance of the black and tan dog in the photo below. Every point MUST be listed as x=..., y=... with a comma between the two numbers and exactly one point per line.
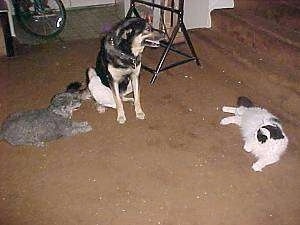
x=119, y=61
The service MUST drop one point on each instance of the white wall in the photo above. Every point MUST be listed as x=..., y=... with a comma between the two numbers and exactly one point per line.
x=81, y=3
x=197, y=12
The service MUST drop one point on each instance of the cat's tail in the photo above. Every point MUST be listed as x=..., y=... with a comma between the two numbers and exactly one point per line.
x=244, y=101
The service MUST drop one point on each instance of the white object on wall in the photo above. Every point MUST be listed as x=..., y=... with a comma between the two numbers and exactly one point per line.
x=197, y=13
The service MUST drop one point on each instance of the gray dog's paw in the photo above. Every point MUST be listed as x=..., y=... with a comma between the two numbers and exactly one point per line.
x=80, y=127
x=88, y=128
x=85, y=126
x=40, y=144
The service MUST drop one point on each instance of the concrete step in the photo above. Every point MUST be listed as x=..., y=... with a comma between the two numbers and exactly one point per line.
x=268, y=39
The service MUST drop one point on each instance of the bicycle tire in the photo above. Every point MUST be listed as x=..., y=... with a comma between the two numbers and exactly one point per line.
x=41, y=18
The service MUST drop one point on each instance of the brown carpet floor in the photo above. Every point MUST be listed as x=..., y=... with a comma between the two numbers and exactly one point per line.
x=179, y=166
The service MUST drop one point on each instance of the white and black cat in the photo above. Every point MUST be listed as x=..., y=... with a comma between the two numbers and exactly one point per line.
x=261, y=131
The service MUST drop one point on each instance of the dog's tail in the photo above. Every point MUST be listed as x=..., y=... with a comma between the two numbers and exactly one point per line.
x=74, y=87
x=80, y=88
x=244, y=101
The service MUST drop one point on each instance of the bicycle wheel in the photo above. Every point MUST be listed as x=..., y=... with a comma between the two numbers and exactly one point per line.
x=43, y=18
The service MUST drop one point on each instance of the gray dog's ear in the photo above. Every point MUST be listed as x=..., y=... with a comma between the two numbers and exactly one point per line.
x=59, y=103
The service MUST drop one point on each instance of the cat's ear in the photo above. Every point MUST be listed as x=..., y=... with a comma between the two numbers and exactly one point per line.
x=263, y=135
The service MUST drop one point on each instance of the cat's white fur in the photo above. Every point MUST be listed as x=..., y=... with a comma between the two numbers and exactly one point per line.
x=251, y=120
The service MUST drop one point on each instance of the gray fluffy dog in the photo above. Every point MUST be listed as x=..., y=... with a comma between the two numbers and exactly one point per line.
x=35, y=127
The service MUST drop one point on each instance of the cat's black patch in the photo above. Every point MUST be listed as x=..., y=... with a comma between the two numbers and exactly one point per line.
x=244, y=101
x=261, y=137
x=275, y=132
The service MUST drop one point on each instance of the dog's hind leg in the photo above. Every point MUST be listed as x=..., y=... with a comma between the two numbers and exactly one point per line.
x=127, y=92
x=136, y=92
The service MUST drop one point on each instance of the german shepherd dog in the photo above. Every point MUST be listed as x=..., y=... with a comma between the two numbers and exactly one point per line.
x=119, y=61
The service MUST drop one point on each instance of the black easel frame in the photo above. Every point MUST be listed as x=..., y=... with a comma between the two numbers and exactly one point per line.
x=4, y=22
x=168, y=45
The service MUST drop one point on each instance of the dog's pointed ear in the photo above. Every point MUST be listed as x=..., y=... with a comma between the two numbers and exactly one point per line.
x=125, y=33
x=122, y=31
x=117, y=38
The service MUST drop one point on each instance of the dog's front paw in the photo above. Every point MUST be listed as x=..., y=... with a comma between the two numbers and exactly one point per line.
x=140, y=115
x=121, y=119
x=256, y=167
x=40, y=144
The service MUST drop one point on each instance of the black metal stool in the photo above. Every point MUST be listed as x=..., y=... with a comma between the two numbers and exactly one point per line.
x=168, y=45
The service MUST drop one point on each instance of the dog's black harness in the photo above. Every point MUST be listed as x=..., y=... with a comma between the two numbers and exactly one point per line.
x=131, y=59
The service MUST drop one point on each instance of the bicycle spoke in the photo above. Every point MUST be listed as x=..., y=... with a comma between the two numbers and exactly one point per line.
x=48, y=23
x=42, y=19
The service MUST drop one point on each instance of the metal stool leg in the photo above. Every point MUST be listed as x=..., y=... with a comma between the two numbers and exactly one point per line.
x=189, y=42
x=7, y=34
x=168, y=46
x=132, y=10
x=163, y=57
